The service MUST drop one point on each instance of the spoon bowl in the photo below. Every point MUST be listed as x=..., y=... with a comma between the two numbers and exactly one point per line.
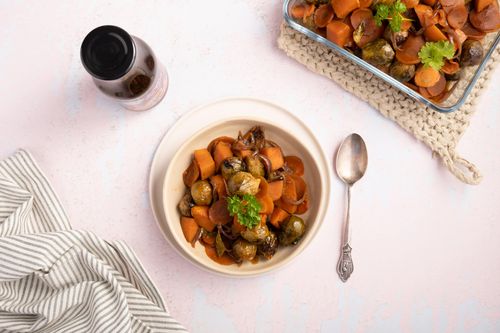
x=352, y=159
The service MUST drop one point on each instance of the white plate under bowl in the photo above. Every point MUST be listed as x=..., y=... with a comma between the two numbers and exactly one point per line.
x=226, y=117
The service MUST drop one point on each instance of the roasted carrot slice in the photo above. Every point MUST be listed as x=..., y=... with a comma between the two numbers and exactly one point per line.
x=218, y=184
x=365, y=3
x=289, y=190
x=323, y=15
x=426, y=76
x=189, y=228
x=488, y=20
x=214, y=142
x=472, y=33
x=223, y=260
x=457, y=16
x=278, y=216
x=301, y=10
x=205, y=163
x=482, y=4
x=300, y=185
x=408, y=53
x=218, y=212
x=303, y=207
x=429, y=2
x=275, y=189
x=338, y=32
x=450, y=67
x=200, y=215
x=295, y=164
x=425, y=15
x=433, y=34
x=342, y=8
x=438, y=88
x=360, y=15
x=286, y=206
x=274, y=155
x=191, y=174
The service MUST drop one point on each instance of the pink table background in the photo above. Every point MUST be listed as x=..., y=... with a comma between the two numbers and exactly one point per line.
x=426, y=247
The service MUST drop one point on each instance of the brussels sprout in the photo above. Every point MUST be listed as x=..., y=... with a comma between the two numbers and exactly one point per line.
x=455, y=76
x=242, y=183
x=257, y=234
x=402, y=72
x=185, y=205
x=308, y=22
x=255, y=166
x=269, y=246
x=378, y=53
x=472, y=53
x=230, y=166
x=243, y=250
x=292, y=230
x=201, y=191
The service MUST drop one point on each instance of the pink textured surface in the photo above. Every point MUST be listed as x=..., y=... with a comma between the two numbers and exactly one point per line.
x=426, y=247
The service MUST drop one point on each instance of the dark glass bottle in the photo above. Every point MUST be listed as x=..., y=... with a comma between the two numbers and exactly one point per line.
x=124, y=67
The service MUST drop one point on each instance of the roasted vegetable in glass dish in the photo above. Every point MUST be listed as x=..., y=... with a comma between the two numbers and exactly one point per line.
x=243, y=197
x=422, y=43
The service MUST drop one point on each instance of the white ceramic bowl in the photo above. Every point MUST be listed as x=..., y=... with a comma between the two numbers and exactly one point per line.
x=316, y=177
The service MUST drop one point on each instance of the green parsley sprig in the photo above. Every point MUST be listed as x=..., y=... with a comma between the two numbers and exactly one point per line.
x=246, y=209
x=391, y=12
x=433, y=53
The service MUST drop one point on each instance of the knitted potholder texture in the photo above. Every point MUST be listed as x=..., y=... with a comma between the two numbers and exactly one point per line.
x=440, y=131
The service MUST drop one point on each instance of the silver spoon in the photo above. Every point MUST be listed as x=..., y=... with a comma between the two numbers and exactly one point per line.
x=351, y=163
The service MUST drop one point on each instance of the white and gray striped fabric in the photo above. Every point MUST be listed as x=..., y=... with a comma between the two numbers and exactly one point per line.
x=55, y=279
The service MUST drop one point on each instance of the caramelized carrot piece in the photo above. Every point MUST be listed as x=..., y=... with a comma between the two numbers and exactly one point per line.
x=426, y=76
x=237, y=227
x=278, y=216
x=482, y=4
x=191, y=174
x=221, y=152
x=488, y=20
x=433, y=34
x=301, y=10
x=360, y=15
x=289, y=189
x=425, y=15
x=300, y=186
x=457, y=16
x=275, y=189
x=200, y=215
x=338, y=32
x=214, y=142
x=208, y=239
x=205, y=163
x=471, y=32
x=218, y=212
x=323, y=15
x=408, y=53
x=365, y=3
x=295, y=164
x=286, y=206
x=438, y=88
x=342, y=8
x=450, y=67
x=263, y=186
x=303, y=207
x=218, y=184
x=274, y=155
x=223, y=260
x=429, y=2
x=189, y=228
x=410, y=3
x=266, y=203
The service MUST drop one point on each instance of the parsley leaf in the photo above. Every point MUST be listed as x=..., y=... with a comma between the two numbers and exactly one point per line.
x=246, y=209
x=392, y=13
x=433, y=53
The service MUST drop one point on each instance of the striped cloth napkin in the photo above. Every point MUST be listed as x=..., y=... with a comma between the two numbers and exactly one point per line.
x=55, y=279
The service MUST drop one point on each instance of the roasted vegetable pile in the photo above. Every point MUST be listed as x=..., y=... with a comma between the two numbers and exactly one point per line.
x=423, y=43
x=243, y=197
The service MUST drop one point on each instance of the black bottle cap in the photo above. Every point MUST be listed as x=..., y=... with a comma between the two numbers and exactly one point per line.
x=107, y=52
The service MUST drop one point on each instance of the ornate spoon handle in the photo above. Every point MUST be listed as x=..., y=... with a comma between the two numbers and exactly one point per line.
x=345, y=265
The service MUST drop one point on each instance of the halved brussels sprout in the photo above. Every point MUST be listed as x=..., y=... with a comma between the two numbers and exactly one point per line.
x=255, y=166
x=378, y=53
x=402, y=72
x=230, y=166
x=242, y=183
x=185, y=205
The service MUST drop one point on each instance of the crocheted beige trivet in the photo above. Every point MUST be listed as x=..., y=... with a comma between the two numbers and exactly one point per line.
x=439, y=131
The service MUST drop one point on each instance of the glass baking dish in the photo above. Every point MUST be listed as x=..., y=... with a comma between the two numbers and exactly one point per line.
x=452, y=103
